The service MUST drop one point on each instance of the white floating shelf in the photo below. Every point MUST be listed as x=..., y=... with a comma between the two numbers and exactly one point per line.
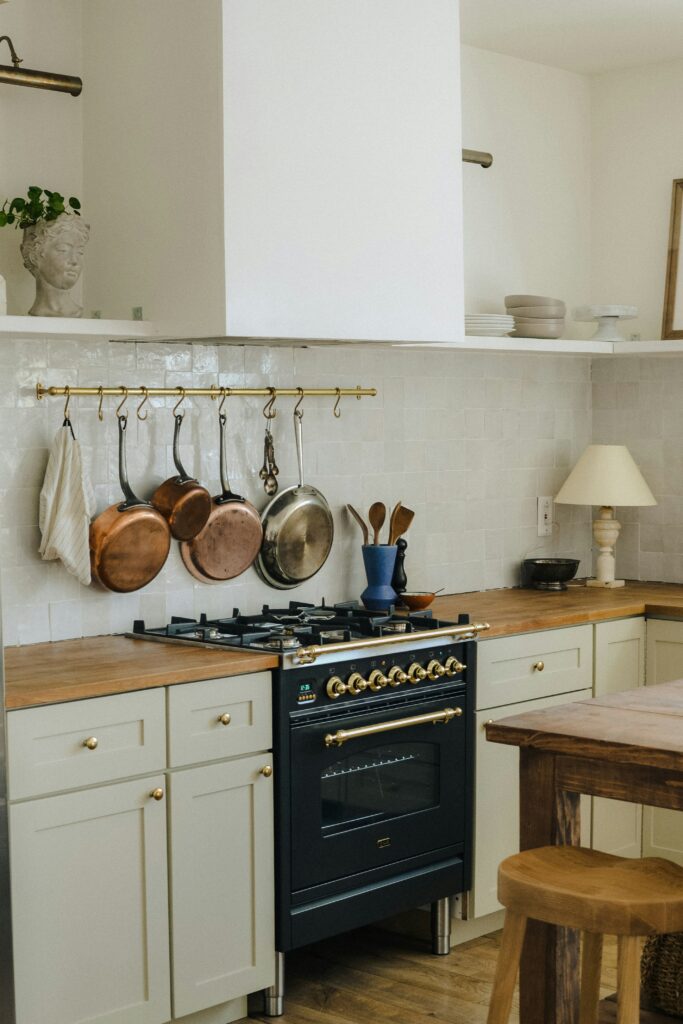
x=77, y=328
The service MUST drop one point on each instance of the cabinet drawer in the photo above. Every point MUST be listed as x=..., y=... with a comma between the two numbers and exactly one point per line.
x=219, y=718
x=81, y=743
x=516, y=668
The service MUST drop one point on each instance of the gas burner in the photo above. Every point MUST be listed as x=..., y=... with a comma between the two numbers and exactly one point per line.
x=396, y=627
x=333, y=635
x=285, y=641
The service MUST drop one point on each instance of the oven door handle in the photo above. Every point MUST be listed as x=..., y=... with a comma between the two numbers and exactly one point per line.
x=341, y=736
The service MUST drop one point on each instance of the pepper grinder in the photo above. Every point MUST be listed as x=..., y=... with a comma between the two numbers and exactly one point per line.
x=399, y=581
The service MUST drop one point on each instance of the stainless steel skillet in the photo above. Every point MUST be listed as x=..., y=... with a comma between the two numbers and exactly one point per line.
x=298, y=530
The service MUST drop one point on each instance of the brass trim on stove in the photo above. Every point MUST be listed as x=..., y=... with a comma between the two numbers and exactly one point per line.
x=307, y=655
x=341, y=736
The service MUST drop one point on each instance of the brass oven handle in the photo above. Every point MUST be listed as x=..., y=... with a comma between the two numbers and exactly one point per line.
x=307, y=655
x=341, y=736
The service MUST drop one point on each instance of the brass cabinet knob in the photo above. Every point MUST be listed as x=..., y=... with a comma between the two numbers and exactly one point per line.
x=453, y=666
x=539, y=666
x=356, y=684
x=489, y=721
x=336, y=687
x=377, y=680
x=397, y=676
x=266, y=771
x=91, y=743
x=225, y=719
x=416, y=673
x=157, y=794
x=435, y=669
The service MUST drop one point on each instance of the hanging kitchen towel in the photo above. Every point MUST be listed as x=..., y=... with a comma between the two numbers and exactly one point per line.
x=67, y=504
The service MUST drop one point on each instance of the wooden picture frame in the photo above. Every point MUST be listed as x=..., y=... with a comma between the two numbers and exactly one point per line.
x=672, y=323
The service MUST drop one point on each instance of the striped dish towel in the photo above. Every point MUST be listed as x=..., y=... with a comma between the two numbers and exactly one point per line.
x=67, y=504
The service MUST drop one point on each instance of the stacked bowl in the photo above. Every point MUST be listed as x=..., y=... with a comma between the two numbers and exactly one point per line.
x=536, y=316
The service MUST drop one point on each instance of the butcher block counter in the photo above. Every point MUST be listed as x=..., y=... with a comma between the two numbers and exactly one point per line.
x=96, y=666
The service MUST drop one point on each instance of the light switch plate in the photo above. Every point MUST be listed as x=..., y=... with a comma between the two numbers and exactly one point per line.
x=545, y=517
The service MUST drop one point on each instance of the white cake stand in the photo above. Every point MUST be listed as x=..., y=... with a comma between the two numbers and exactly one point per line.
x=608, y=318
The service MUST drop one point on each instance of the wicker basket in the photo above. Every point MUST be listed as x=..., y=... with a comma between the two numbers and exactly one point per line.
x=662, y=973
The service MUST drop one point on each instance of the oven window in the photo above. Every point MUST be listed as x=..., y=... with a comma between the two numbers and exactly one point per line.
x=384, y=782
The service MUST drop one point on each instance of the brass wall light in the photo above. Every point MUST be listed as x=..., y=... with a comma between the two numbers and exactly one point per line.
x=16, y=75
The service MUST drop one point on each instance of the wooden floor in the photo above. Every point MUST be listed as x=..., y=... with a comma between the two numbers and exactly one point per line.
x=378, y=977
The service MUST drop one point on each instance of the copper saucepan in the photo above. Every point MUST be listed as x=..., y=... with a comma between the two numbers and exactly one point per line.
x=129, y=542
x=182, y=501
x=232, y=537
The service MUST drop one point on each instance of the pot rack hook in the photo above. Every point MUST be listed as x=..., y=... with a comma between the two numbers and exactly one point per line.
x=100, y=413
x=297, y=411
x=268, y=409
x=67, y=392
x=181, y=392
x=145, y=392
x=119, y=407
x=225, y=393
x=337, y=411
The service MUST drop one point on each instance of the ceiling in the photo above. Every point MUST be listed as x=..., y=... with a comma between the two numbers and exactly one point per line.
x=586, y=36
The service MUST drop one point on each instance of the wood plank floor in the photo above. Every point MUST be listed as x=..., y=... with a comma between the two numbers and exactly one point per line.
x=373, y=976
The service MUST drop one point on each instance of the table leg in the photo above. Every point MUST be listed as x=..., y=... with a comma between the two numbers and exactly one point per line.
x=549, y=973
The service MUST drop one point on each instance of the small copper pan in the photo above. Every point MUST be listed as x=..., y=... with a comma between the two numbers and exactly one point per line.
x=183, y=502
x=129, y=542
x=232, y=537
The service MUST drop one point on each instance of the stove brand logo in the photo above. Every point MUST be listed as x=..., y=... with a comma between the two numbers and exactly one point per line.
x=383, y=843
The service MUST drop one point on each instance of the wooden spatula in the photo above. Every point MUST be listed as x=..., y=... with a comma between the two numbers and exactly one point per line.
x=361, y=522
x=392, y=520
x=377, y=515
x=401, y=519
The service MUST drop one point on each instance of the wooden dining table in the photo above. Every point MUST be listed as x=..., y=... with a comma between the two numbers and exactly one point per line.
x=625, y=746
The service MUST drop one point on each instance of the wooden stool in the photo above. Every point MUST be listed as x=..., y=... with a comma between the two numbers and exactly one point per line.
x=598, y=894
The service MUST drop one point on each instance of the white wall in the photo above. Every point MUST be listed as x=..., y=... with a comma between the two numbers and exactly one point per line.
x=527, y=218
x=637, y=152
x=40, y=130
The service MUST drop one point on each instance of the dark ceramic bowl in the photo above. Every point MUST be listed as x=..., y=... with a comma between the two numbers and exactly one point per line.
x=548, y=573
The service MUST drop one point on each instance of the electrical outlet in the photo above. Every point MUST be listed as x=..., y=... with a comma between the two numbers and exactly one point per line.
x=545, y=517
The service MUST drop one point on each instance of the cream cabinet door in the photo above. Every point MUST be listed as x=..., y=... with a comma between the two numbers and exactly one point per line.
x=663, y=830
x=619, y=665
x=90, y=906
x=222, y=882
x=496, y=827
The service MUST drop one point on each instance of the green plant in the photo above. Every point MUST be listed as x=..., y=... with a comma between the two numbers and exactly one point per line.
x=40, y=204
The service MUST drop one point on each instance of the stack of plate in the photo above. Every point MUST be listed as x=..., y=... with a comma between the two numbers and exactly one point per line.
x=536, y=316
x=489, y=325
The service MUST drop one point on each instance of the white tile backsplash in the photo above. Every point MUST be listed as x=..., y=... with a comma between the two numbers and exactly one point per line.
x=468, y=440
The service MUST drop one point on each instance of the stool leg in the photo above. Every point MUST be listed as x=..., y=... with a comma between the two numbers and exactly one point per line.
x=506, y=968
x=628, y=969
x=591, y=965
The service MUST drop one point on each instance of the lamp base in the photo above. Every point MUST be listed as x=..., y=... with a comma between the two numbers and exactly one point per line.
x=606, y=584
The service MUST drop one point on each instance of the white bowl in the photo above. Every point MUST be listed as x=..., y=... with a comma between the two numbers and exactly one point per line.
x=512, y=301
x=539, y=311
x=527, y=331
x=524, y=321
x=487, y=332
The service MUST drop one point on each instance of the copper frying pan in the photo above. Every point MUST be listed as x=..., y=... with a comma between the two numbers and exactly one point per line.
x=183, y=502
x=232, y=537
x=129, y=542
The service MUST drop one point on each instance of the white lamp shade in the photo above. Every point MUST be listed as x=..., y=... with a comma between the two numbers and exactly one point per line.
x=605, y=475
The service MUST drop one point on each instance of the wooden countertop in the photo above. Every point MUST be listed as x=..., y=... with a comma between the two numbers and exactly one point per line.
x=523, y=611
x=95, y=666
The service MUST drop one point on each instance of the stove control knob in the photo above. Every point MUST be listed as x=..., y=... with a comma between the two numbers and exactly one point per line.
x=416, y=673
x=356, y=684
x=435, y=669
x=397, y=676
x=453, y=667
x=336, y=687
x=377, y=680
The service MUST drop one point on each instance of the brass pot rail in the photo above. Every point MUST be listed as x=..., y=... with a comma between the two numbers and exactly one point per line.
x=341, y=736
x=215, y=391
x=307, y=655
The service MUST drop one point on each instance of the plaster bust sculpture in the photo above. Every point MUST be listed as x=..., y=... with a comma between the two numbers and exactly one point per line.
x=53, y=252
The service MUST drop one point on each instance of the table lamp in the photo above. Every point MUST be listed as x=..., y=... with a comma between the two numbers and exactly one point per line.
x=605, y=475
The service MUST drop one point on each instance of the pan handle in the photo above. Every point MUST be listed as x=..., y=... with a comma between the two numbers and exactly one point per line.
x=183, y=476
x=132, y=500
x=227, y=494
x=298, y=434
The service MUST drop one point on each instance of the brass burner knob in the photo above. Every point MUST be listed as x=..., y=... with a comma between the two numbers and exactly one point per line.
x=336, y=687
x=356, y=684
x=397, y=676
x=377, y=680
x=435, y=669
x=416, y=673
x=453, y=666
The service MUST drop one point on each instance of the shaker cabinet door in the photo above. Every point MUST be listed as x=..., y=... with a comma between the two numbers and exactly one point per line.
x=90, y=907
x=221, y=882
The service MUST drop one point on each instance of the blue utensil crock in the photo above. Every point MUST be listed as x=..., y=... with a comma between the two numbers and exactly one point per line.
x=379, y=560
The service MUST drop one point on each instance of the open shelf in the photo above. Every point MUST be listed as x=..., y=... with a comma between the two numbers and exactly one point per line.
x=73, y=327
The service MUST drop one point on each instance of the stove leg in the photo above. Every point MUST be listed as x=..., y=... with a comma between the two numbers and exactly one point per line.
x=441, y=927
x=274, y=1001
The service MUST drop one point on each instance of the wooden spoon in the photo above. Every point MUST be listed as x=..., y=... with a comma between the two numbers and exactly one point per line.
x=392, y=520
x=400, y=522
x=361, y=522
x=377, y=515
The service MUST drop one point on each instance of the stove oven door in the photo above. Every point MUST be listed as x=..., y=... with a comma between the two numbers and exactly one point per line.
x=377, y=799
